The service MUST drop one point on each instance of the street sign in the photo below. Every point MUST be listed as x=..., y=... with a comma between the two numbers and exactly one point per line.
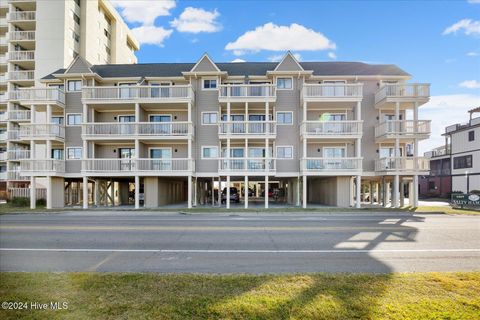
x=469, y=200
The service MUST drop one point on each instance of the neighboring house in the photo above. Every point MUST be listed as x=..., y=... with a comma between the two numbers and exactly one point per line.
x=330, y=133
x=455, y=166
x=37, y=37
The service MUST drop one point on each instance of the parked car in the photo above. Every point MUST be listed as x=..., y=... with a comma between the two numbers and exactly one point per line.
x=234, y=196
x=270, y=193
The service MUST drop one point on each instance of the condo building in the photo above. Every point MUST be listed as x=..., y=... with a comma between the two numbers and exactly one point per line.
x=213, y=134
x=36, y=37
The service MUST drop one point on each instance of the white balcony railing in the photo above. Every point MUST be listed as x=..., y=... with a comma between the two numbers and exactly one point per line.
x=3, y=156
x=154, y=93
x=236, y=91
x=3, y=22
x=247, y=128
x=3, y=41
x=124, y=129
x=25, y=75
x=402, y=164
x=42, y=166
x=403, y=128
x=3, y=175
x=3, y=98
x=14, y=175
x=3, y=59
x=21, y=55
x=21, y=16
x=42, y=131
x=137, y=165
x=341, y=90
x=21, y=35
x=18, y=154
x=332, y=128
x=3, y=79
x=331, y=164
x=19, y=115
x=3, y=117
x=247, y=164
x=403, y=90
x=47, y=95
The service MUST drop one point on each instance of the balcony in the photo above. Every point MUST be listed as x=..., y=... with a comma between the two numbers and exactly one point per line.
x=19, y=115
x=332, y=92
x=404, y=165
x=247, y=129
x=27, y=55
x=144, y=167
x=247, y=93
x=3, y=80
x=3, y=41
x=242, y=166
x=3, y=23
x=21, y=16
x=14, y=175
x=3, y=156
x=17, y=36
x=3, y=117
x=438, y=152
x=3, y=175
x=24, y=75
x=138, y=130
x=389, y=94
x=3, y=136
x=3, y=98
x=3, y=59
x=42, y=167
x=132, y=94
x=408, y=129
x=42, y=96
x=42, y=132
x=18, y=154
x=331, y=166
x=332, y=129
x=12, y=135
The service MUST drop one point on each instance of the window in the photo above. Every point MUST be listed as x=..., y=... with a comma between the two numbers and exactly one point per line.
x=284, y=117
x=209, y=118
x=58, y=86
x=209, y=152
x=74, y=153
x=75, y=17
x=107, y=49
x=75, y=36
x=77, y=2
x=285, y=152
x=106, y=33
x=74, y=119
x=74, y=85
x=471, y=135
x=462, y=162
x=57, y=154
x=210, y=84
x=284, y=83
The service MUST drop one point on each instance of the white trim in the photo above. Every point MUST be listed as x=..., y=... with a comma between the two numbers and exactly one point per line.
x=71, y=80
x=209, y=124
x=126, y=115
x=284, y=57
x=73, y=125
x=210, y=158
x=160, y=114
x=283, y=89
x=68, y=148
x=160, y=148
x=210, y=78
x=283, y=124
x=283, y=146
x=205, y=55
x=336, y=113
x=334, y=81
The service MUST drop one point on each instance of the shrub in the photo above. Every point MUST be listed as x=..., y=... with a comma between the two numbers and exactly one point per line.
x=20, y=202
x=475, y=191
x=41, y=202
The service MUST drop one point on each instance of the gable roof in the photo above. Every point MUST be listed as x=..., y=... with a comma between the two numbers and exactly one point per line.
x=79, y=65
x=288, y=63
x=205, y=64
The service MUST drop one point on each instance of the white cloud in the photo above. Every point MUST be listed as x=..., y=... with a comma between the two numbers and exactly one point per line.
x=474, y=1
x=238, y=60
x=196, y=20
x=444, y=111
x=151, y=35
x=143, y=11
x=332, y=55
x=279, y=57
x=470, y=84
x=472, y=53
x=469, y=27
x=272, y=37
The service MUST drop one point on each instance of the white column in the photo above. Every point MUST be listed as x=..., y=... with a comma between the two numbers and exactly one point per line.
x=137, y=192
x=195, y=194
x=297, y=201
x=246, y=192
x=137, y=112
x=402, y=194
x=85, y=193
x=227, y=200
x=396, y=182
x=358, y=144
x=33, y=192
x=219, y=193
x=358, y=189
x=415, y=190
x=49, y=142
x=49, y=193
x=304, y=193
x=415, y=140
x=395, y=200
x=189, y=198
x=213, y=191
x=370, y=187
x=266, y=191
x=411, y=195
x=189, y=117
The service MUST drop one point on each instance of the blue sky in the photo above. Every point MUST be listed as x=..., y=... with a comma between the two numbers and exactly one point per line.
x=435, y=41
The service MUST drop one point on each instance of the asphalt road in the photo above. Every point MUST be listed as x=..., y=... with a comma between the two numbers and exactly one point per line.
x=156, y=242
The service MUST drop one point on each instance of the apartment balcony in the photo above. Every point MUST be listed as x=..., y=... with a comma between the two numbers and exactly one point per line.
x=3, y=98
x=42, y=167
x=438, y=152
x=402, y=129
x=250, y=166
x=138, y=94
x=138, y=130
x=16, y=56
x=3, y=41
x=38, y=96
x=3, y=176
x=18, y=154
x=3, y=136
x=348, y=92
x=349, y=129
x=11, y=134
x=406, y=94
x=3, y=117
x=331, y=166
x=247, y=129
x=19, y=115
x=402, y=165
x=21, y=36
x=14, y=175
x=20, y=76
x=3, y=80
x=18, y=16
x=247, y=93
x=3, y=23
x=143, y=167
x=42, y=132
x=3, y=156
x=3, y=59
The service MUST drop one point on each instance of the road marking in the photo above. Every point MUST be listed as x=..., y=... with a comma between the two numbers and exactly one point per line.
x=235, y=251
